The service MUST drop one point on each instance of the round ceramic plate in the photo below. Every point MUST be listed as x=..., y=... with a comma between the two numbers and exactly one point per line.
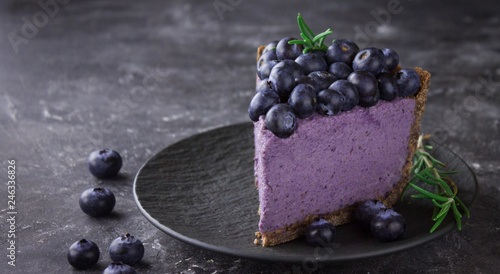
x=201, y=191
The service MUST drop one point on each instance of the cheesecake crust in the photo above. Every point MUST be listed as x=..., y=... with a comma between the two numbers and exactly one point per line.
x=346, y=214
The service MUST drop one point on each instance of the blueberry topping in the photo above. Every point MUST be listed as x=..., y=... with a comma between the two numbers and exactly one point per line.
x=282, y=79
x=330, y=102
x=263, y=84
x=321, y=233
x=264, y=71
x=366, y=211
x=288, y=51
x=371, y=60
x=270, y=46
x=391, y=59
x=323, y=79
x=367, y=87
x=341, y=50
x=119, y=268
x=407, y=81
x=281, y=120
x=303, y=101
x=261, y=103
x=126, y=249
x=83, y=254
x=319, y=53
x=388, y=225
x=349, y=91
x=306, y=80
x=340, y=70
x=266, y=57
x=311, y=62
x=104, y=163
x=387, y=86
x=97, y=201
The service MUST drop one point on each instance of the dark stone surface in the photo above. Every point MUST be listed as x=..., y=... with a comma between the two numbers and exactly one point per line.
x=136, y=76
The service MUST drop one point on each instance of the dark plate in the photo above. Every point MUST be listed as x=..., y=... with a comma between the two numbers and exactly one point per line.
x=201, y=191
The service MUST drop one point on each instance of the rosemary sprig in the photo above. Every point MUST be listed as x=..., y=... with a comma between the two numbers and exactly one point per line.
x=426, y=169
x=311, y=42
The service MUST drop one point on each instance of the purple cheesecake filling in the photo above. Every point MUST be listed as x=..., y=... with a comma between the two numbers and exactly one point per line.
x=330, y=162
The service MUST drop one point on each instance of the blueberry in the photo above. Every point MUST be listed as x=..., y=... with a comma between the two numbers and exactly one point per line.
x=306, y=80
x=303, y=101
x=319, y=53
x=283, y=76
x=119, y=268
x=371, y=60
x=281, y=120
x=97, y=202
x=340, y=70
x=367, y=87
x=391, y=59
x=126, y=249
x=407, y=81
x=349, y=91
x=264, y=70
x=261, y=103
x=387, y=86
x=270, y=46
x=311, y=62
x=323, y=79
x=266, y=57
x=288, y=51
x=341, y=50
x=104, y=163
x=83, y=254
x=366, y=211
x=320, y=233
x=388, y=225
x=330, y=102
x=263, y=84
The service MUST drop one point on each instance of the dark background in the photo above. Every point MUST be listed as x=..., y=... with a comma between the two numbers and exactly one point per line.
x=136, y=76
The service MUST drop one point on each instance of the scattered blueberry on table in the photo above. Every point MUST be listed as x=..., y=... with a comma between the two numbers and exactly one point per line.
x=126, y=249
x=119, y=268
x=97, y=201
x=104, y=163
x=83, y=254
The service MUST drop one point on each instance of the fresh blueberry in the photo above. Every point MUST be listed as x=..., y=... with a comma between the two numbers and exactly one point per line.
x=323, y=79
x=119, y=268
x=263, y=84
x=97, y=201
x=306, y=80
x=388, y=225
x=281, y=120
x=407, y=81
x=261, y=103
x=126, y=249
x=349, y=91
x=319, y=53
x=284, y=50
x=321, y=233
x=366, y=211
x=266, y=57
x=367, y=87
x=330, y=102
x=83, y=254
x=283, y=76
x=391, y=59
x=341, y=50
x=371, y=60
x=311, y=62
x=104, y=163
x=303, y=101
x=264, y=70
x=387, y=86
x=340, y=70
x=270, y=46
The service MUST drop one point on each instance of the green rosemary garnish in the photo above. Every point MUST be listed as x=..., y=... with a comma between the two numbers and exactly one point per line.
x=425, y=169
x=311, y=42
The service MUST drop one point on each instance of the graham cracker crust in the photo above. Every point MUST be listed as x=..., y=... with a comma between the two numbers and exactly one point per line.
x=346, y=214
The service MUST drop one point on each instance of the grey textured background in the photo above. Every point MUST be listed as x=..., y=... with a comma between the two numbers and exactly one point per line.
x=136, y=76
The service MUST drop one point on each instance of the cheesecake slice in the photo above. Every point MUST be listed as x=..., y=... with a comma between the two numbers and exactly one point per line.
x=330, y=164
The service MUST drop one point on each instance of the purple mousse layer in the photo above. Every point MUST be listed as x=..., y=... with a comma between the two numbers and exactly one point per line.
x=330, y=162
